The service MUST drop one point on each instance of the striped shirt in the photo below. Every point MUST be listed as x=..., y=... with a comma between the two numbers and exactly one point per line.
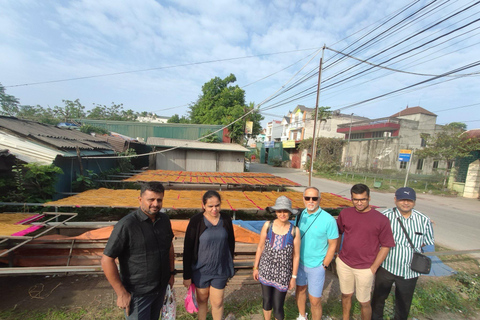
x=420, y=231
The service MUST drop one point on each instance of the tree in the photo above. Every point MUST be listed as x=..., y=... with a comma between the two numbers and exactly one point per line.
x=113, y=112
x=71, y=110
x=222, y=103
x=448, y=144
x=177, y=119
x=9, y=103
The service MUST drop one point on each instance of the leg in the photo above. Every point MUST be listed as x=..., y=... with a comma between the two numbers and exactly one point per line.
x=316, y=307
x=267, y=296
x=366, y=310
x=278, y=302
x=216, y=300
x=381, y=290
x=146, y=306
x=404, y=289
x=363, y=288
x=301, y=297
x=346, y=305
x=301, y=290
x=346, y=280
x=202, y=301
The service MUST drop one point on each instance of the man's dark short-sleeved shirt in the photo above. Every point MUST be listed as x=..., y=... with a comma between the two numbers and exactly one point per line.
x=142, y=248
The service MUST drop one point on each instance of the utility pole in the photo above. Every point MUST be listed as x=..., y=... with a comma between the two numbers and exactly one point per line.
x=348, y=143
x=408, y=168
x=314, y=144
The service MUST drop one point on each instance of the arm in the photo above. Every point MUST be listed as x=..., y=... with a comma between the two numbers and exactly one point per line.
x=260, y=247
x=171, y=256
x=296, y=258
x=111, y=272
x=381, y=255
x=188, y=244
x=332, y=248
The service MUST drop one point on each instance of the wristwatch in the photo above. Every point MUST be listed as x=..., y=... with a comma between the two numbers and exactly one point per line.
x=326, y=267
x=173, y=272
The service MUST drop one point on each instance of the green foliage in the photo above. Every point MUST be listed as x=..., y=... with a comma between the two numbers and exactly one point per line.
x=210, y=139
x=88, y=128
x=324, y=113
x=449, y=144
x=125, y=164
x=222, y=103
x=113, y=112
x=72, y=110
x=31, y=182
x=85, y=182
x=328, y=155
x=177, y=119
x=8, y=103
x=276, y=162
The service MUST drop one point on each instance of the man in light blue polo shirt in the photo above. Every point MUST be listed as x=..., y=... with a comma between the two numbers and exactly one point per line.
x=319, y=234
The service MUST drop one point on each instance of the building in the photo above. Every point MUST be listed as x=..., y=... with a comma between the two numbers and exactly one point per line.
x=274, y=130
x=31, y=141
x=189, y=155
x=376, y=144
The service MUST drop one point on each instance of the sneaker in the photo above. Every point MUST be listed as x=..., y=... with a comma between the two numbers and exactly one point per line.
x=300, y=317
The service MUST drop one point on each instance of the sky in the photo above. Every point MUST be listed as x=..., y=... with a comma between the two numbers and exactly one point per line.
x=155, y=55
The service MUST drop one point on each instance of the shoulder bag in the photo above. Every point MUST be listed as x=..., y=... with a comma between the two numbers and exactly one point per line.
x=420, y=263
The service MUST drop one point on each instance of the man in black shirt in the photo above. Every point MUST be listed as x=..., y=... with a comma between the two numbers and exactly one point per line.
x=142, y=242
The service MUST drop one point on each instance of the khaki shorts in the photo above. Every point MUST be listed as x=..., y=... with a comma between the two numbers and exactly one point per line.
x=359, y=280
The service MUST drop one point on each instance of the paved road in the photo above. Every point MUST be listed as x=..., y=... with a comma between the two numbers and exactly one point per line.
x=456, y=220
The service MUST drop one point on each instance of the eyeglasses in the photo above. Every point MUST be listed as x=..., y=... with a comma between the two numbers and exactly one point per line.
x=360, y=200
x=313, y=198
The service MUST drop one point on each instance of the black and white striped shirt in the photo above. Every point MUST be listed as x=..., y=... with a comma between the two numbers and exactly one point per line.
x=420, y=231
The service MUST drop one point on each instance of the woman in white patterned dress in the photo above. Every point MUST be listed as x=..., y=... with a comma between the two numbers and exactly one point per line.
x=277, y=258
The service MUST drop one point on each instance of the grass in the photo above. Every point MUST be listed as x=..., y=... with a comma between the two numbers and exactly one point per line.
x=457, y=296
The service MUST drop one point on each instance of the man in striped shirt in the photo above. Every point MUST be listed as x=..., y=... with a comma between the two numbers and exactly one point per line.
x=396, y=266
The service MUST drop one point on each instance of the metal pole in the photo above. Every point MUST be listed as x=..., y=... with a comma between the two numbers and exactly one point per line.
x=408, y=168
x=314, y=144
x=348, y=143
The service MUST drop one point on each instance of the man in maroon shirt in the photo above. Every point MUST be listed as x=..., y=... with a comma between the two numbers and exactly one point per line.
x=367, y=238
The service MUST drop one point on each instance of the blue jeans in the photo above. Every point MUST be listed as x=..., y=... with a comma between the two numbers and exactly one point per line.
x=146, y=307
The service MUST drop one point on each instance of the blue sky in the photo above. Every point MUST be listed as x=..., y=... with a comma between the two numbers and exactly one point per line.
x=44, y=41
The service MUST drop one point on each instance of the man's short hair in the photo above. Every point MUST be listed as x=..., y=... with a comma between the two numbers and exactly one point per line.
x=314, y=188
x=360, y=188
x=156, y=187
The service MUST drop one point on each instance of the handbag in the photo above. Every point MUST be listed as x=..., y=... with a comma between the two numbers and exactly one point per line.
x=169, y=309
x=420, y=263
x=190, y=300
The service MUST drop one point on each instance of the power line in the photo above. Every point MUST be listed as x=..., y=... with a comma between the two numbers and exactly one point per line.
x=158, y=68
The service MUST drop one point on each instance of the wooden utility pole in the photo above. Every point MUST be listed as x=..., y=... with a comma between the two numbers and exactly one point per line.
x=314, y=144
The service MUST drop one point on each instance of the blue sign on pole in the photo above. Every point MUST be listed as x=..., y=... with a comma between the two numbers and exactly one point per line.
x=405, y=155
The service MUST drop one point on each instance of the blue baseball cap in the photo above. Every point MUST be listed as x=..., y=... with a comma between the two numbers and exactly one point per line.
x=405, y=193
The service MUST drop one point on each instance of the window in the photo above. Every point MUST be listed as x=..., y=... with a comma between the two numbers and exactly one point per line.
x=435, y=164
x=449, y=165
x=420, y=164
x=423, y=143
x=377, y=134
x=357, y=135
x=403, y=164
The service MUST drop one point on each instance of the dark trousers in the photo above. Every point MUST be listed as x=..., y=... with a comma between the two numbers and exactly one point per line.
x=404, y=289
x=146, y=307
x=273, y=299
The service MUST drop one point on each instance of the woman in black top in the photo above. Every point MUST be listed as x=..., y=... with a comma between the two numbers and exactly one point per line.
x=208, y=255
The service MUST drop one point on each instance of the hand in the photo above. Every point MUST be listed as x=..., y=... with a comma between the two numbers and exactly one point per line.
x=123, y=301
x=255, y=274
x=374, y=270
x=293, y=284
x=187, y=283
x=171, y=281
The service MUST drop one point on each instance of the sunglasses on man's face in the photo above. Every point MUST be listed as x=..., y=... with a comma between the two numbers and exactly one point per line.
x=313, y=198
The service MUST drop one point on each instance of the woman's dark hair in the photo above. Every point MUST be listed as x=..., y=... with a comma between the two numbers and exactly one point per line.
x=359, y=189
x=211, y=194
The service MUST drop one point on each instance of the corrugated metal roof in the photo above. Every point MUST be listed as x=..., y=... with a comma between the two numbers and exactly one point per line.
x=51, y=135
x=191, y=144
x=26, y=150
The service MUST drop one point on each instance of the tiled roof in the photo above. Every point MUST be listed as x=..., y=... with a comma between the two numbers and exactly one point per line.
x=63, y=139
x=413, y=110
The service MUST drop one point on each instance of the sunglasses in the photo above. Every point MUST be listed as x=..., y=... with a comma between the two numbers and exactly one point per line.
x=313, y=198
